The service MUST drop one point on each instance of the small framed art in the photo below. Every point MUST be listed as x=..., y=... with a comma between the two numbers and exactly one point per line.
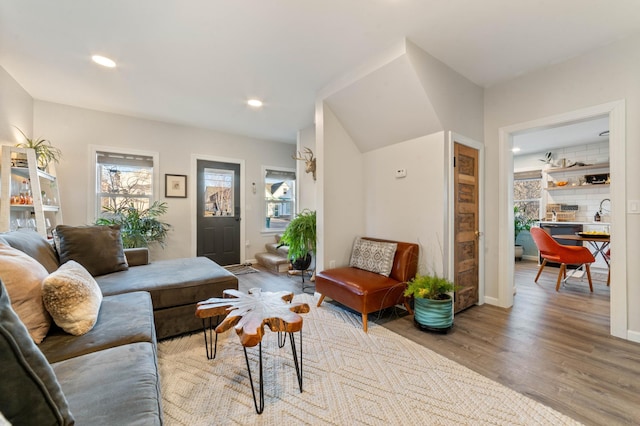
x=175, y=186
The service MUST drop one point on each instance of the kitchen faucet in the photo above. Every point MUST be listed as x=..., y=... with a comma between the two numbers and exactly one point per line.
x=602, y=202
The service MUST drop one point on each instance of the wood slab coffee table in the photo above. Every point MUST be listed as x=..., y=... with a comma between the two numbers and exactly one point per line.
x=249, y=313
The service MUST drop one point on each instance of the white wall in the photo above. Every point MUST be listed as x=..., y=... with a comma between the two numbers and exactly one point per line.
x=306, y=184
x=457, y=101
x=411, y=208
x=341, y=195
x=16, y=109
x=74, y=129
x=604, y=75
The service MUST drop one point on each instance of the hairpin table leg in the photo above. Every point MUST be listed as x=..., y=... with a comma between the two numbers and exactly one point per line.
x=210, y=345
x=295, y=358
x=260, y=408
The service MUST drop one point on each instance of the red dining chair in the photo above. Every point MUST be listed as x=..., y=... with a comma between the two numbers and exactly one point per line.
x=551, y=250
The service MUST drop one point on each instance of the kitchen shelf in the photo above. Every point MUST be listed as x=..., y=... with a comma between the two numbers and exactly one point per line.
x=30, y=207
x=579, y=187
x=576, y=168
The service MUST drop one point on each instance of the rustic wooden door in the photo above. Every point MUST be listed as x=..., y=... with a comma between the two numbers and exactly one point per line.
x=466, y=253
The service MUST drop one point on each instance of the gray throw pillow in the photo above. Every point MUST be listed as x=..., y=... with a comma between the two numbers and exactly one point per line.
x=97, y=248
x=373, y=256
x=29, y=390
x=35, y=245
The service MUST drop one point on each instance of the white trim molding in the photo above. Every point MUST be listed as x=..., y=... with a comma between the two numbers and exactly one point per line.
x=617, y=152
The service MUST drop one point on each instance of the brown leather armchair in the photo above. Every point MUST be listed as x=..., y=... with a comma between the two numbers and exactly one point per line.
x=366, y=291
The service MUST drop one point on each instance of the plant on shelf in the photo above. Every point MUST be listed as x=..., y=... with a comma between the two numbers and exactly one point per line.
x=300, y=236
x=45, y=152
x=433, y=303
x=138, y=227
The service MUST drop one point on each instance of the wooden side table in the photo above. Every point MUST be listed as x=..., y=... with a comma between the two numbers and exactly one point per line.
x=248, y=314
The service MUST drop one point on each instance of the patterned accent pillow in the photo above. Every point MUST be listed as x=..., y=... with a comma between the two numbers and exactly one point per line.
x=373, y=256
x=73, y=298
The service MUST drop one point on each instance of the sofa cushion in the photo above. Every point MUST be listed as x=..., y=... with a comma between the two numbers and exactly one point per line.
x=97, y=248
x=123, y=319
x=172, y=282
x=373, y=256
x=29, y=391
x=118, y=386
x=33, y=244
x=72, y=297
x=23, y=277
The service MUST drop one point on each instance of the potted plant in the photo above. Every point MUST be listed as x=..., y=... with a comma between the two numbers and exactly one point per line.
x=300, y=236
x=521, y=223
x=433, y=303
x=45, y=152
x=138, y=227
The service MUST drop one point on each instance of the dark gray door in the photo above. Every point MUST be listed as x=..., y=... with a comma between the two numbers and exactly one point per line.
x=218, y=223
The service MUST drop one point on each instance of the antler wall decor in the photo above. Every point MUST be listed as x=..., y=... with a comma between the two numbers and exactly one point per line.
x=309, y=161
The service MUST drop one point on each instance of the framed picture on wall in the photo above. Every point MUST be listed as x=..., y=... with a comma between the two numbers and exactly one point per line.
x=175, y=186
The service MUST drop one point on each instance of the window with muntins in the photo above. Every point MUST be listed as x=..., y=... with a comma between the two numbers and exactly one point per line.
x=279, y=198
x=527, y=193
x=123, y=179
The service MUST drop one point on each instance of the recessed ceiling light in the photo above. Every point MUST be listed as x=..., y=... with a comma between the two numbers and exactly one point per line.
x=515, y=149
x=256, y=103
x=104, y=61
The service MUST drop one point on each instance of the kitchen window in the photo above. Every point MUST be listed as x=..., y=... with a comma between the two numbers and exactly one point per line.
x=279, y=198
x=527, y=193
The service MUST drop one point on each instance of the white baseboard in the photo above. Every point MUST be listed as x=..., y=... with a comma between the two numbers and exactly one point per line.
x=529, y=257
x=633, y=336
x=491, y=301
x=251, y=261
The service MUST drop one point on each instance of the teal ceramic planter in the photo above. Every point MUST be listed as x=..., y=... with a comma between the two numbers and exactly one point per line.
x=434, y=315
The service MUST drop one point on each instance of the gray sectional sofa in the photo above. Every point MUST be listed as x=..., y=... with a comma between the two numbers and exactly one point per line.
x=110, y=374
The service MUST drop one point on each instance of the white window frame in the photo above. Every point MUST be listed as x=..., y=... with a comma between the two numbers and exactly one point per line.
x=263, y=209
x=92, y=195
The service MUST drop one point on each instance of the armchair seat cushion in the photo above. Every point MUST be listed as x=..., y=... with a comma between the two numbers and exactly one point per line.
x=359, y=289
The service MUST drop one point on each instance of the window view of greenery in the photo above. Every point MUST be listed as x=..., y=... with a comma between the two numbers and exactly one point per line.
x=279, y=196
x=123, y=180
x=526, y=195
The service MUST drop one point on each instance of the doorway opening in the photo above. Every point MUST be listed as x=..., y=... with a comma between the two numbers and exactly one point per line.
x=615, y=112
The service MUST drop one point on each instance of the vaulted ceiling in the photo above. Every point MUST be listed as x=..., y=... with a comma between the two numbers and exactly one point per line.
x=196, y=62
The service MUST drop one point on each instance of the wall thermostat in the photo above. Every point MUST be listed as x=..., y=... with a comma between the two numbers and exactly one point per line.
x=400, y=173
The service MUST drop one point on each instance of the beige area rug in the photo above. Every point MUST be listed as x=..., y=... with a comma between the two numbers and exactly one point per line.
x=349, y=378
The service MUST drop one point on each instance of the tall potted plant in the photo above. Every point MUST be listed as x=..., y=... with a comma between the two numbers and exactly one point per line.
x=300, y=236
x=138, y=227
x=433, y=303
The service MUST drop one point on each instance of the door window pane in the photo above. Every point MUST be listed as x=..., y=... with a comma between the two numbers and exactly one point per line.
x=218, y=197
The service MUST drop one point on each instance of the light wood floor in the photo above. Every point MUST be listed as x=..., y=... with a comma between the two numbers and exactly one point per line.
x=552, y=346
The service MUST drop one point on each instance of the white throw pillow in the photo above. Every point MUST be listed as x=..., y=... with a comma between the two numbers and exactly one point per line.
x=22, y=276
x=373, y=256
x=72, y=297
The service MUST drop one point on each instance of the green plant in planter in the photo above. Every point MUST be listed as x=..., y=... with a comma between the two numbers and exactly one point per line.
x=45, y=152
x=300, y=236
x=433, y=305
x=138, y=228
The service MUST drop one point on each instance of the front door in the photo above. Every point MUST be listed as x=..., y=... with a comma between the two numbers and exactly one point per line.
x=218, y=222
x=466, y=253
